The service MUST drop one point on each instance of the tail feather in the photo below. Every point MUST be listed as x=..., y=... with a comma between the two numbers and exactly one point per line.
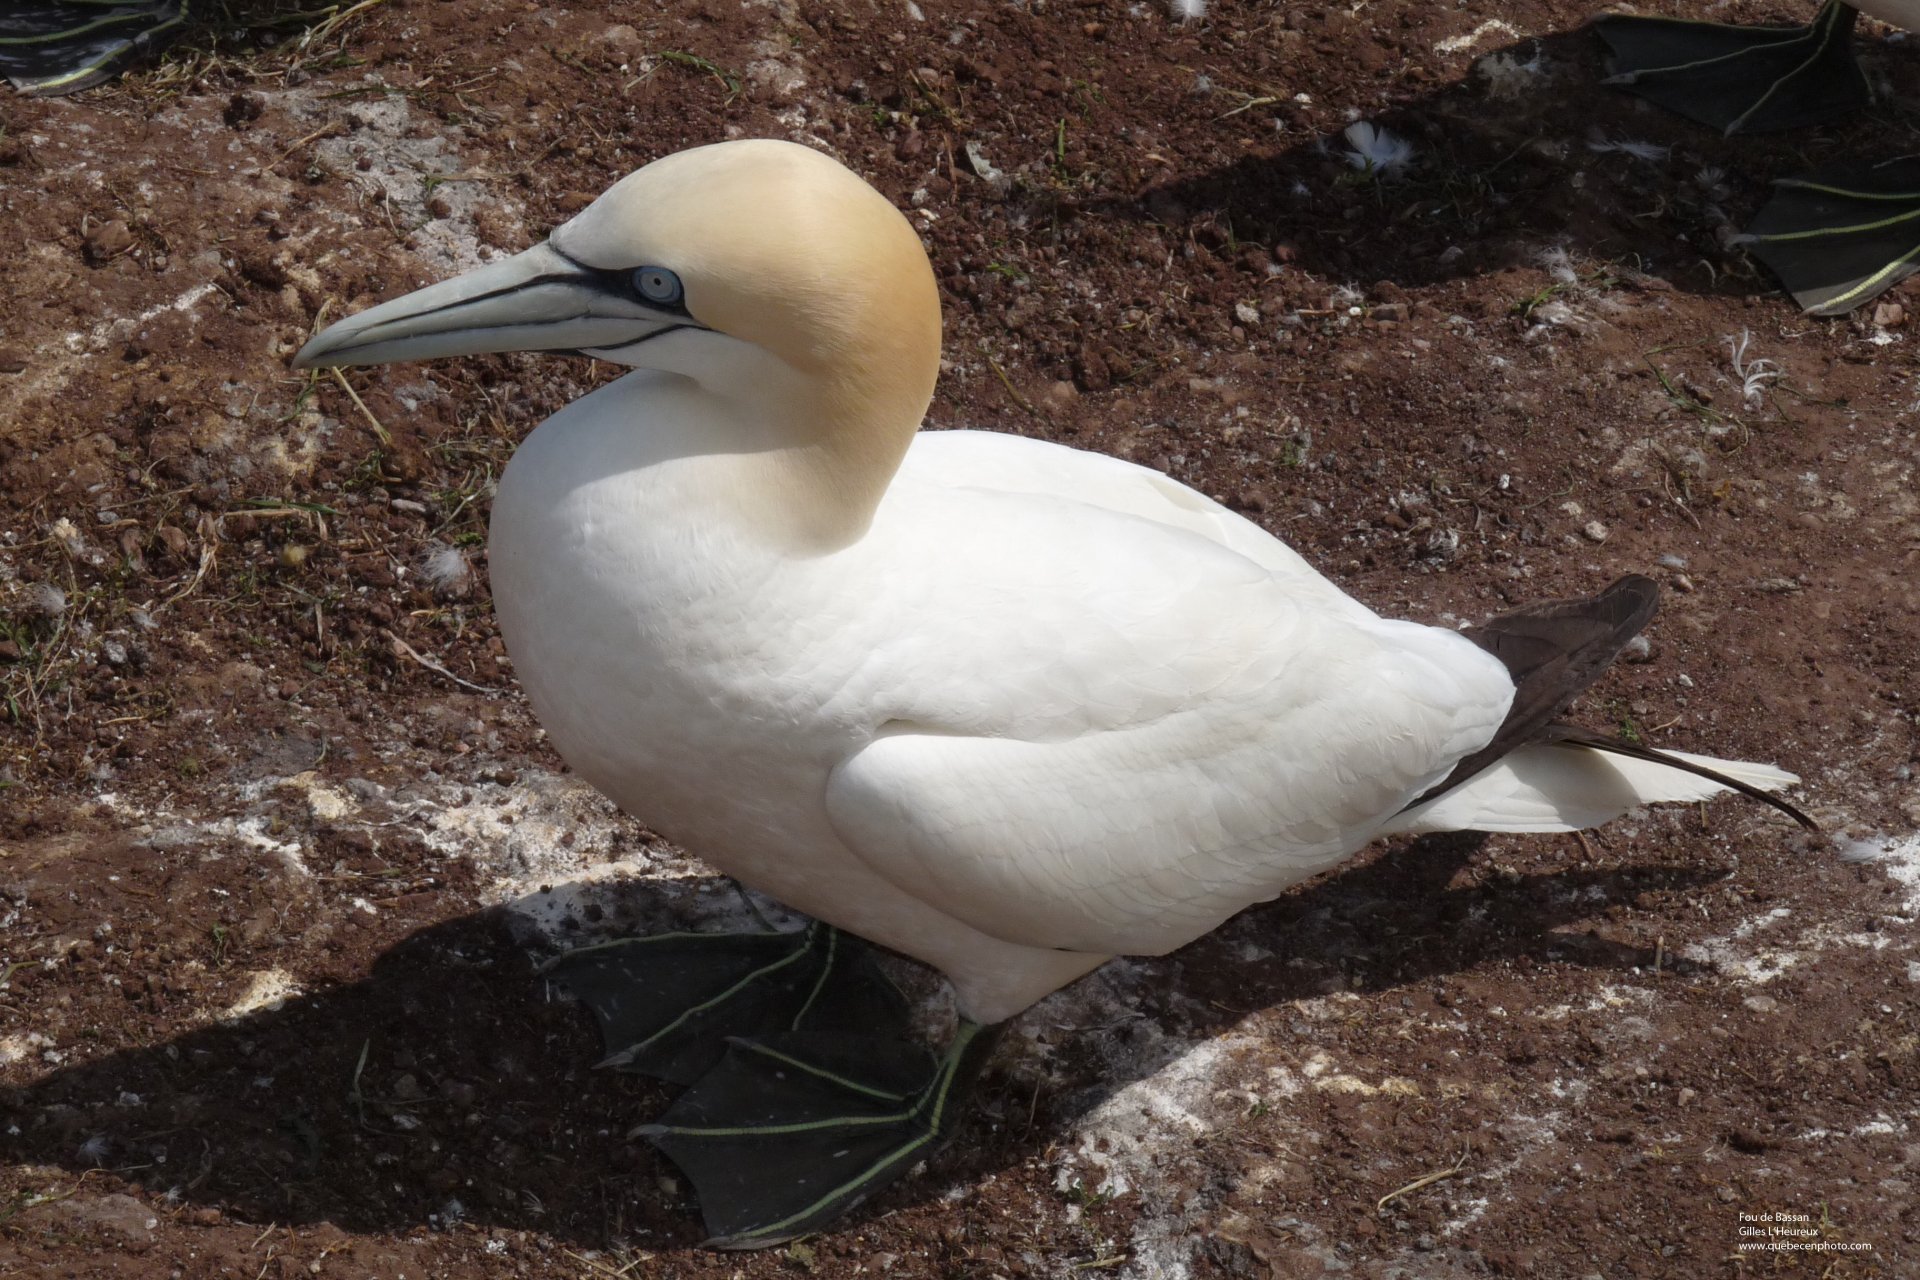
x=1553, y=650
x=1725, y=774
x=1539, y=773
x=1548, y=786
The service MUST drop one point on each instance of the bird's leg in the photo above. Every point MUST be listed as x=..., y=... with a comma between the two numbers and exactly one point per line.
x=791, y=1131
x=1740, y=79
x=667, y=1004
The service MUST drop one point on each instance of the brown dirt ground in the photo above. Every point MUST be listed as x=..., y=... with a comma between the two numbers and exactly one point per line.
x=266, y=877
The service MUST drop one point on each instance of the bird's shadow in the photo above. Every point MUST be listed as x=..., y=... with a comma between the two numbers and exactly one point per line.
x=451, y=1084
x=1529, y=151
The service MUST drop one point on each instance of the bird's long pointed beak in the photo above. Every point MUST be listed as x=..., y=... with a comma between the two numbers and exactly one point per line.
x=538, y=300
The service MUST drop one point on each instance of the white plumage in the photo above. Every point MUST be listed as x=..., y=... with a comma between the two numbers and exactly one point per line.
x=1002, y=705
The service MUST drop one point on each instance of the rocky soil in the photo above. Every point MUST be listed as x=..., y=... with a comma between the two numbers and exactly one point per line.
x=280, y=841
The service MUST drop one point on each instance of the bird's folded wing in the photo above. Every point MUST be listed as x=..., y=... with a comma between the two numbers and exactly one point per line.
x=991, y=460
x=1140, y=837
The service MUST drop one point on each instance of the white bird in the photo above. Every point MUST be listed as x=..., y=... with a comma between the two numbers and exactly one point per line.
x=1000, y=705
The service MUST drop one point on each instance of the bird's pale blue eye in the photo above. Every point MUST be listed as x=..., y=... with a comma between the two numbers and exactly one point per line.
x=657, y=284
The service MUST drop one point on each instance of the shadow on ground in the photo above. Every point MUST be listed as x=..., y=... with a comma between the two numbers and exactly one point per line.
x=1507, y=163
x=450, y=1084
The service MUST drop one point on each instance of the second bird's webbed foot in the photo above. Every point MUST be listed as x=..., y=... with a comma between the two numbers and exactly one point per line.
x=1739, y=79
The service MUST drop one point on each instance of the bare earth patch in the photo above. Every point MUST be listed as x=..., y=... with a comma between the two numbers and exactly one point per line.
x=279, y=841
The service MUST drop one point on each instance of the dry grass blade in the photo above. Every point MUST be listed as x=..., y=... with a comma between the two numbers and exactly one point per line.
x=1439, y=1176
x=333, y=23
x=209, y=552
x=378, y=428
x=402, y=649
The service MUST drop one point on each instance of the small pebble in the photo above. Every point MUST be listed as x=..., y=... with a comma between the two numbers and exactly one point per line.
x=1594, y=531
x=107, y=241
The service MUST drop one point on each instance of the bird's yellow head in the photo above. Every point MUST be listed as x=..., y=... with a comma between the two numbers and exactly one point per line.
x=759, y=242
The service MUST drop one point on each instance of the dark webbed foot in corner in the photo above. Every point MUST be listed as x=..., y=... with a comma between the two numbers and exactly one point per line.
x=1740, y=79
x=668, y=1004
x=1842, y=236
x=790, y=1132
x=59, y=46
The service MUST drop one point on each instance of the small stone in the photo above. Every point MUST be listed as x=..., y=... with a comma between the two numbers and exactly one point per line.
x=243, y=109
x=1390, y=312
x=624, y=41
x=1889, y=315
x=120, y=1218
x=108, y=241
x=409, y=506
x=1682, y=583
x=1246, y=313
x=1761, y=1004
x=1594, y=531
x=133, y=547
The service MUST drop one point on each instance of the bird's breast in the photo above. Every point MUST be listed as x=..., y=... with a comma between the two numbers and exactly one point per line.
x=661, y=648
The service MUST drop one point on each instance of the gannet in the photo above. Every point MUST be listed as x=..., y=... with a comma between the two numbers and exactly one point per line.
x=1837, y=237
x=1003, y=706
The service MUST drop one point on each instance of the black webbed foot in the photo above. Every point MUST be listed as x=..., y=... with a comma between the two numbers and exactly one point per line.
x=1841, y=236
x=59, y=46
x=1740, y=79
x=790, y=1132
x=667, y=1004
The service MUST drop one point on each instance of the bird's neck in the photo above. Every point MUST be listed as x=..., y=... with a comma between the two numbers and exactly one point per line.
x=807, y=456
